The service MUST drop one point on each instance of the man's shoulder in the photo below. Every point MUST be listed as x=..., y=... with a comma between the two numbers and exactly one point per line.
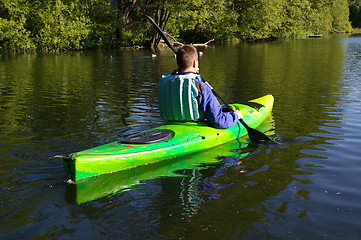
x=172, y=73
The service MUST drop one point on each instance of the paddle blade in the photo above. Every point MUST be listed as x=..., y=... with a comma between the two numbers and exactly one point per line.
x=255, y=135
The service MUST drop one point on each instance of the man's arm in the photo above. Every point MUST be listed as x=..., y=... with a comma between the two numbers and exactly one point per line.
x=212, y=110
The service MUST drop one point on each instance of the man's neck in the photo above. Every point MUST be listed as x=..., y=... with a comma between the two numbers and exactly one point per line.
x=188, y=70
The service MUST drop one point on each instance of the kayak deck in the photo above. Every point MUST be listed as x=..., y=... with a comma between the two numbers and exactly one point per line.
x=187, y=138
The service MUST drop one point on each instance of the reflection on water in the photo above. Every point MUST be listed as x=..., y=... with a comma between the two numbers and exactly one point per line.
x=305, y=187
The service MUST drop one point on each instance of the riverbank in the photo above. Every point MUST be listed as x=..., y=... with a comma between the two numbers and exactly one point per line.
x=357, y=30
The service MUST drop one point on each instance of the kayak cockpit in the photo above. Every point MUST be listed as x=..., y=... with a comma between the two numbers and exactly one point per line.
x=152, y=136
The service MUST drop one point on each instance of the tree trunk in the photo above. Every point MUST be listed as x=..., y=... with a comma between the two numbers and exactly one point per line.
x=161, y=18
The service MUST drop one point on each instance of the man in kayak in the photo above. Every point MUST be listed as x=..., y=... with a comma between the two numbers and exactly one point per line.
x=183, y=95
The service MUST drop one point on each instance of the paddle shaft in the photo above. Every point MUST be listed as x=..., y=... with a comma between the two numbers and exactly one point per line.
x=253, y=134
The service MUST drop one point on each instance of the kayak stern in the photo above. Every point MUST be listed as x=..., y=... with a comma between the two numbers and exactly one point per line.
x=69, y=167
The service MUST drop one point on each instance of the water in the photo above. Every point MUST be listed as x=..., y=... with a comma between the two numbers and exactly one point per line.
x=307, y=187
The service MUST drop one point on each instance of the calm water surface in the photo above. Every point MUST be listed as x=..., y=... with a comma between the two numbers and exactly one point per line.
x=308, y=187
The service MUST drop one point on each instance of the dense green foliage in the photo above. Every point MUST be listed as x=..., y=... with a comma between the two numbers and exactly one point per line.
x=58, y=25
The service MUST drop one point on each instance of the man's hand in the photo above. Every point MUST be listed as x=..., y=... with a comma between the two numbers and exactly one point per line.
x=239, y=114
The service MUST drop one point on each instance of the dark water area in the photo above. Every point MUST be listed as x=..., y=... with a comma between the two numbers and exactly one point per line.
x=307, y=187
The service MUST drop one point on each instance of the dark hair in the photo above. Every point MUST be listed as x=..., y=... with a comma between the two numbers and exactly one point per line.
x=186, y=54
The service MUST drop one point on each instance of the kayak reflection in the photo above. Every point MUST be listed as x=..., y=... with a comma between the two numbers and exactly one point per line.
x=228, y=154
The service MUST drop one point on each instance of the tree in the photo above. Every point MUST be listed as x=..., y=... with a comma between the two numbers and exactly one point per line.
x=161, y=9
x=340, y=15
x=355, y=13
x=260, y=19
x=57, y=25
x=199, y=21
x=13, y=33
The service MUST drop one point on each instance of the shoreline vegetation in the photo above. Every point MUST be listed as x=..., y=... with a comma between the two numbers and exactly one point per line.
x=72, y=25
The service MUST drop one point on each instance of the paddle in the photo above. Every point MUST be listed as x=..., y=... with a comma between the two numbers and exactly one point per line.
x=253, y=134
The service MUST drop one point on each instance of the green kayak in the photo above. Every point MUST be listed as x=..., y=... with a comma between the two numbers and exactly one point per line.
x=113, y=183
x=160, y=143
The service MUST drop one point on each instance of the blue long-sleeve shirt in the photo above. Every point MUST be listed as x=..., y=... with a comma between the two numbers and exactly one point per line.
x=212, y=110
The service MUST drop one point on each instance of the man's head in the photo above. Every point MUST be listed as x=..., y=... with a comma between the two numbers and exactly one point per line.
x=187, y=58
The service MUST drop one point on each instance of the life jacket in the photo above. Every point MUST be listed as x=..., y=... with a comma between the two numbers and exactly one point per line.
x=177, y=95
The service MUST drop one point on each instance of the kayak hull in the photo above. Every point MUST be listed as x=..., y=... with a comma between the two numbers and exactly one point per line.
x=188, y=137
